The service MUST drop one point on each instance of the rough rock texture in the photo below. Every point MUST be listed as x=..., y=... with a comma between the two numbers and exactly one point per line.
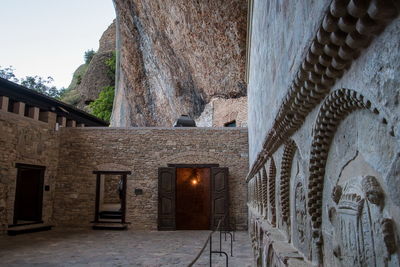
x=220, y=111
x=96, y=75
x=175, y=56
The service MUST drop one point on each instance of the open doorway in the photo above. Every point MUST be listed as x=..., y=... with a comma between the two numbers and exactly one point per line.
x=192, y=196
x=110, y=196
x=193, y=206
x=28, y=203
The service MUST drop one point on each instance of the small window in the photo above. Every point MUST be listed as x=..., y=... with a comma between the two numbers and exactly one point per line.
x=26, y=112
x=11, y=103
x=230, y=124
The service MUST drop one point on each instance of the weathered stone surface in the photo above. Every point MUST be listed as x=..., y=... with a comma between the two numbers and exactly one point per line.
x=342, y=176
x=143, y=151
x=77, y=247
x=24, y=140
x=95, y=76
x=220, y=111
x=175, y=56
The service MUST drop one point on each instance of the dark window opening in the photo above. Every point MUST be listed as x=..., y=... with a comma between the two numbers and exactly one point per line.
x=11, y=105
x=26, y=112
x=230, y=124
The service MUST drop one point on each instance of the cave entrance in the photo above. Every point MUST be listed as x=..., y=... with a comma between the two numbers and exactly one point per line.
x=192, y=197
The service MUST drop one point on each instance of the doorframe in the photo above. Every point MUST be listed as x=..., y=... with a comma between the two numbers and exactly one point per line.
x=124, y=175
x=19, y=167
x=192, y=165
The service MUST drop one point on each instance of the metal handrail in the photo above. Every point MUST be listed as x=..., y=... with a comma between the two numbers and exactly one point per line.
x=205, y=243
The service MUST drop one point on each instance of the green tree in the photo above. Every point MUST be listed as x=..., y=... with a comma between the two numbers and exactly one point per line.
x=8, y=74
x=111, y=63
x=102, y=106
x=89, y=54
x=37, y=83
x=42, y=85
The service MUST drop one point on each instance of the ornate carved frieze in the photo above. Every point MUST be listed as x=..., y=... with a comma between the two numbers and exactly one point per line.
x=271, y=191
x=265, y=191
x=260, y=197
x=347, y=29
x=286, y=166
x=334, y=109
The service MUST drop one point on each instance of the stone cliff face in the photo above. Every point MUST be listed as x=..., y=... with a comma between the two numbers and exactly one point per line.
x=93, y=77
x=96, y=76
x=174, y=56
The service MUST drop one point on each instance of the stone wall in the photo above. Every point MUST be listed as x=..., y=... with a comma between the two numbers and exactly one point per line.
x=143, y=151
x=28, y=141
x=221, y=111
x=324, y=133
x=111, y=194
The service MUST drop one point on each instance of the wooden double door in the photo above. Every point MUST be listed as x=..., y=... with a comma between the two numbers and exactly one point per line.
x=192, y=197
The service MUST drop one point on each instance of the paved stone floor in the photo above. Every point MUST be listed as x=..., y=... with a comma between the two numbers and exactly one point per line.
x=72, y=247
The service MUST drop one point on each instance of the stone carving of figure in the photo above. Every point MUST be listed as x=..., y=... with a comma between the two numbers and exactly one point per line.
x=362, y=236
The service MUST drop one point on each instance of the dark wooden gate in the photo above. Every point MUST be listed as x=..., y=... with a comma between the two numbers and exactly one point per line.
x=219, y=196
x=166, y=199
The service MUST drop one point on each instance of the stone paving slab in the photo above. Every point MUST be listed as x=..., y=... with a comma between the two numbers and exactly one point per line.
x=81, y=247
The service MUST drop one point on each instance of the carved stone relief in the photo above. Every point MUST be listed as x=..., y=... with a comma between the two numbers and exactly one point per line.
x=286, y=167
x=362, y=236
x=347, y=29
x=300, y=212
x=271, y=192
x=264, y=191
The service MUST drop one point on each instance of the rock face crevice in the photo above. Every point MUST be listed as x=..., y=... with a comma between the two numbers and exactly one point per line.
x=174, y=56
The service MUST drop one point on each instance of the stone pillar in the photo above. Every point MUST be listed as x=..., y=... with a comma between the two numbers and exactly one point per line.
x=71, y=123
x=62, y=121
x=49, y=117
x=19, y=108
x=81, y=125
x=4, y=103
x=34, y=113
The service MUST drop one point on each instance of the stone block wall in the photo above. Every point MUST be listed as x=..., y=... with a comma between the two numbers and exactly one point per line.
x=143, y=151
x=28, y=141
x=324, y=94
x=111, y=195
x=221, y=111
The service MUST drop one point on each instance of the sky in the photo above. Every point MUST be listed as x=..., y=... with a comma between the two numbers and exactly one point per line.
x=50, y=37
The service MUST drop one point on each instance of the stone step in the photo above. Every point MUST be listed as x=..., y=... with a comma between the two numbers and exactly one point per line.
x=29, y=228
x=110, y=216
x=109, y=226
